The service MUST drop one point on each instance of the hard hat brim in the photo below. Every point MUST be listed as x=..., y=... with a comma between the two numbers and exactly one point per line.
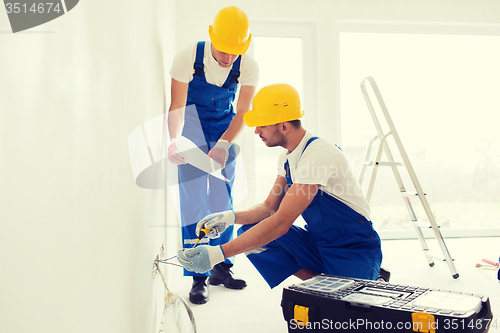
x=252, y=118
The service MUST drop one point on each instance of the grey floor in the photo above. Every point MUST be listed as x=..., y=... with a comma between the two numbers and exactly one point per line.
x=257, y=307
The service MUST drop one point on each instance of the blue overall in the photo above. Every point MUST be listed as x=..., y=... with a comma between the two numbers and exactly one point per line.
x=208, y=113
x=336, y=240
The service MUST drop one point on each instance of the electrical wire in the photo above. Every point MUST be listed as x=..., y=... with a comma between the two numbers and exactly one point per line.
x=165, y=261
x=175, y=306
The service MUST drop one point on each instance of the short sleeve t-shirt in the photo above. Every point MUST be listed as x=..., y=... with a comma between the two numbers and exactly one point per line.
x=182, y=67
x=324, y=164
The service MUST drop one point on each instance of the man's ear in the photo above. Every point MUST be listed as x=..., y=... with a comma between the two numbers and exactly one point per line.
x=285, y=127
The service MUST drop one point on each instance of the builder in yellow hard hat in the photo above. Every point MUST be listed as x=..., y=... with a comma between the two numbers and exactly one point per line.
x=315, y=181
x=205, y=79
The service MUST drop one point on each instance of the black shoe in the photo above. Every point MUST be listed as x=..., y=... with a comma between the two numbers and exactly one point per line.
x=221, y=274
x=199, y=290
x=383, y=275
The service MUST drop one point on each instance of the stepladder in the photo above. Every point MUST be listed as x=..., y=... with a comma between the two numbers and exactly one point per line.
x=378, y=154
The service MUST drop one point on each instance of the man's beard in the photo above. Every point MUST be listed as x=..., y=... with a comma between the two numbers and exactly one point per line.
x=276, y=139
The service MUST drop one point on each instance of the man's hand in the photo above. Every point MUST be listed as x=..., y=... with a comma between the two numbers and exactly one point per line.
x=200, y=259
x=173, y=154
x=220, y=153
x=217, y=223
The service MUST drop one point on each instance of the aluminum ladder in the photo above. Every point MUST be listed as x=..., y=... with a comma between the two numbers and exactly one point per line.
x=383, y=147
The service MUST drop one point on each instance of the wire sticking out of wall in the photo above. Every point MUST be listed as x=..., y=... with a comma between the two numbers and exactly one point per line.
x=166, y=261
x=177, y=315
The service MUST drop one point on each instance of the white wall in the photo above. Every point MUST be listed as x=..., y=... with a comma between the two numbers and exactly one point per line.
x=77, y=241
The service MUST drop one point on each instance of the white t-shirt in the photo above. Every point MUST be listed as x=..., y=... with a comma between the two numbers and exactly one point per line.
x=182, y=67
x=324, y=164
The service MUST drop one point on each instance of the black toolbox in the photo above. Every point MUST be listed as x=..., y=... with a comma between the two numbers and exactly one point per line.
x=334, y=303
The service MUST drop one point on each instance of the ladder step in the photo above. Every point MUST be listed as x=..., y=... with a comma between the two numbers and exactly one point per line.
x=421, y=224
x=410, y=194
x=386, y=163
x=425, y=225
x=433, y=255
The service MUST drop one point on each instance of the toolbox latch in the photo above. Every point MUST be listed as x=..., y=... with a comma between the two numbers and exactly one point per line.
x=301, y=314
x=423, y=322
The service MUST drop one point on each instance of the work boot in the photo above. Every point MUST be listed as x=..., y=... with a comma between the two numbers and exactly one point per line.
x=383, y=275
x=199, y=290
x=221, y=274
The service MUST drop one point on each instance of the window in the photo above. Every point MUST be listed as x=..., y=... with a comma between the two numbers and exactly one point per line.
x=441, y=91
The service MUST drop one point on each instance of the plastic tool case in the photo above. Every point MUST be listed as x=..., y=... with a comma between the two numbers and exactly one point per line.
x=334, y=303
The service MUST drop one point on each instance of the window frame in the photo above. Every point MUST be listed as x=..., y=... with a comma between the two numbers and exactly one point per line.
x=306, y=30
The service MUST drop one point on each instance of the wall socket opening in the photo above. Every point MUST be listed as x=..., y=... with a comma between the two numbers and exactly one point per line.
x=159, y=256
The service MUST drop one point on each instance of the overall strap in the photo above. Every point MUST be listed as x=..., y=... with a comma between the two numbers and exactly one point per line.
x=307, y=144
x=288, y=176
x=199, y=74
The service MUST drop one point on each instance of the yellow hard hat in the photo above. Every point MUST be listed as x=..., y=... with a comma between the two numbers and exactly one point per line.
x=274, y=104
x=230, y=32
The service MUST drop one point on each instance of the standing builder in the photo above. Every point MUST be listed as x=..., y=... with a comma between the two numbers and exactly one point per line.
x=205, y=80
